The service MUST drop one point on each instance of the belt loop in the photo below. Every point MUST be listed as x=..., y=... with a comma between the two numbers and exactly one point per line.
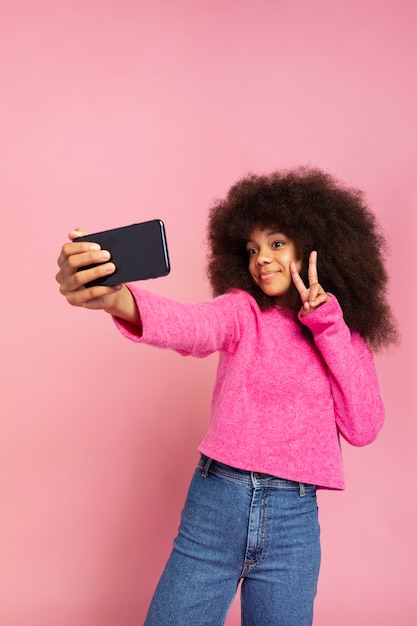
x=206, y=468
x=302, y=488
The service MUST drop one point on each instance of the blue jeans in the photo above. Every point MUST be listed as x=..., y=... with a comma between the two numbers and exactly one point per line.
x=240, y=526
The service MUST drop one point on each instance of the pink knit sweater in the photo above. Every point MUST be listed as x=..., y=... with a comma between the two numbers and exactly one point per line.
x=280, y=400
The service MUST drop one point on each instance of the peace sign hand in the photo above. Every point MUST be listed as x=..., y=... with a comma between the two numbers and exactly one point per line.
x=313, y=296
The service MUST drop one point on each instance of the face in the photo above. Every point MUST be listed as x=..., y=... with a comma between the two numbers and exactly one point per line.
x=270, y=253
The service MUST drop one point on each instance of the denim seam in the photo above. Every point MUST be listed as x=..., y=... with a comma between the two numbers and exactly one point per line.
x=273, y=483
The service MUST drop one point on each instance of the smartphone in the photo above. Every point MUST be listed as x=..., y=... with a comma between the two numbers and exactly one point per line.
x=139, y=252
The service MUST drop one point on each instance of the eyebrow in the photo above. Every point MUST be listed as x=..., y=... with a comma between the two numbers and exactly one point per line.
x=275, y=232
x=269, y=234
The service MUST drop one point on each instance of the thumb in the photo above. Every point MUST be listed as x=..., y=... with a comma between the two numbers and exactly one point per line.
x=77, y=232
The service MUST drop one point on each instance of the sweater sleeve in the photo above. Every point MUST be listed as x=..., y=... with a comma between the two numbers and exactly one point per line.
x=189, y=329
x=359, y=411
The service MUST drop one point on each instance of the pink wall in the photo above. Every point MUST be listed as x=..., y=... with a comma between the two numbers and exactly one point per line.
x=119, y=111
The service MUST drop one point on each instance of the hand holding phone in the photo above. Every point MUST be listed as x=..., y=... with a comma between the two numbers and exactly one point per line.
x=139, y=252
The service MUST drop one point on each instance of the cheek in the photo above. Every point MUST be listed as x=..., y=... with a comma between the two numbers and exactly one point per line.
x=299, y=266
x=291, y=258
x=298, y=262
x=251, y=268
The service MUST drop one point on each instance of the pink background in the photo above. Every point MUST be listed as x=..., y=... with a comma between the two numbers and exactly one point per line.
x=119, y=111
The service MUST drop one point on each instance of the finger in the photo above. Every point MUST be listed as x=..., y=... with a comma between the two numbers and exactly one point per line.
x=71, y=248
x=309, y=307
x=103, y=301
x=77, y=232
x=296, y=278
x=314, y=292
x=312, y=268
x=83, y=258
x=83, y=246
x=92, y=297
x=71, y=276
x=70, y=284
x=78, y=279
x=319, y=300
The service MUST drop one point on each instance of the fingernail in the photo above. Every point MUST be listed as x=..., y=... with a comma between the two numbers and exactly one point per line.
x=94, y=246
x=104, y=254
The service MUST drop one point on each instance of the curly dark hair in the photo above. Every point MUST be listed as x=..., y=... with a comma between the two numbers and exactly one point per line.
x=318, y=213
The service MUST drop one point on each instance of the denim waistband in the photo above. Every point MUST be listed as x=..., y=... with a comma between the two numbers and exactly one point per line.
x=259, y=479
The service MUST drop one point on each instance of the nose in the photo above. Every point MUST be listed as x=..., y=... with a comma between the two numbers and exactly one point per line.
x=264, y=257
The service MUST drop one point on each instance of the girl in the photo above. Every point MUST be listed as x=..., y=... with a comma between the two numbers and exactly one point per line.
x=295, y=372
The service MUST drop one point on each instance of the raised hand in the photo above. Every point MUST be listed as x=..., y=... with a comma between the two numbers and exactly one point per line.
x=75, y=255
x=314, y=295
x=116, y=300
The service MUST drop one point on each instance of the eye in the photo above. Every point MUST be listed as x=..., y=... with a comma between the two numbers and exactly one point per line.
x=251, y=251
x=277, y=244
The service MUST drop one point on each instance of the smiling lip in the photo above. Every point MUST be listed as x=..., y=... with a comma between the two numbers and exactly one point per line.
x=266, y=275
